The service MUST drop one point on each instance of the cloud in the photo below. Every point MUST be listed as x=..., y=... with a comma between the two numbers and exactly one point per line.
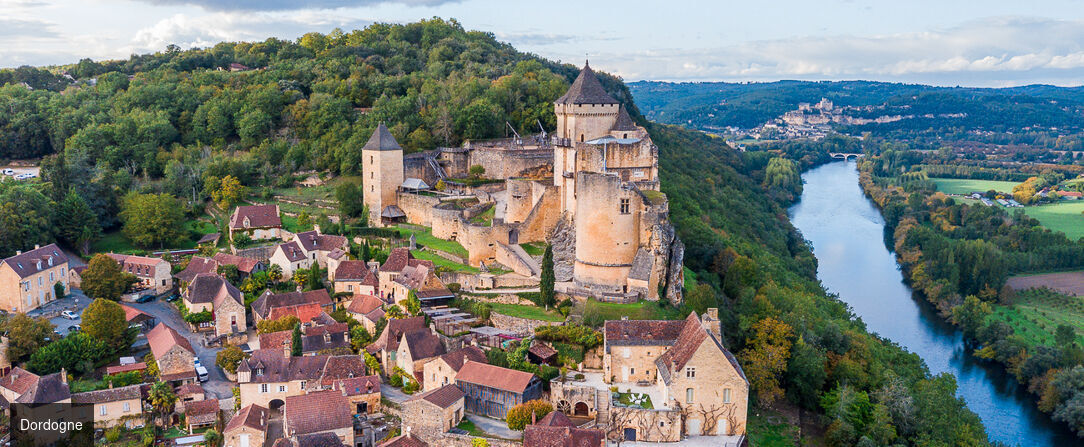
x=24, y=28
x=188, y=31
x=286, y=5
x=986, y=51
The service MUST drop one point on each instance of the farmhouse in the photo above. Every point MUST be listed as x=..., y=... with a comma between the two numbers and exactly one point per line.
x=153, y=273
x=27, y=279
x=259, y=222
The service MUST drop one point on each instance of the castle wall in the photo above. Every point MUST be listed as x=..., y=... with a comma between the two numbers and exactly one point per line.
x=417, y=166
x=607, y=236
x=520, y=200
x=500, y=163
x=543, y=216
x=455, y=160
x=418, y=208
x=583, y=122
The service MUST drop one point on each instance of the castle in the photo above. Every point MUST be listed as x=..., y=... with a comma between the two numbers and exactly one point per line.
x=591, y=191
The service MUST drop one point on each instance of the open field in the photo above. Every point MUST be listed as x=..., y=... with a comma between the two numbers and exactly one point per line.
x=425, y=237
x=1037, y=313
x=1069, y=283
x=595, y=312
x=967, y=186
x=1064, y=216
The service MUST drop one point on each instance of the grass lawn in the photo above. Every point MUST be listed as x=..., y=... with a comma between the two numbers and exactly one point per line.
x=471, y=429
x=174, y=432
x=485, y=218
x=291, y=225
x=626, y=400
x=441, y=262
x=596, y=312
x=534, y=248
x=114, y=242
x=425, y=237
x=529, y=312
x=1037, y=313
x=967, y=186
x=1064, y=216
x=766, y=433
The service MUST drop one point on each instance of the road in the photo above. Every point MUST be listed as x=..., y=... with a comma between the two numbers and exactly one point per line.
x=216, y=383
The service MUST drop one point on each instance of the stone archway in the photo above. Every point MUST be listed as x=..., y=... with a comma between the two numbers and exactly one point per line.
x=564, y=407
x=275, y=404
x=581, y=409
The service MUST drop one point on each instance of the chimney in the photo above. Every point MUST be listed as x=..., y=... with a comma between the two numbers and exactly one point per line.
x=63, y=375
x=341, y=387
x=37, y=246
x=286, y=348
x=710, y=322
x=18, y=252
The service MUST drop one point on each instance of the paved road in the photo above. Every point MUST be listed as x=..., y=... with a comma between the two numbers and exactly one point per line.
x=392, y=393
x=74, y=301
x=216, y=383
x=494, y=427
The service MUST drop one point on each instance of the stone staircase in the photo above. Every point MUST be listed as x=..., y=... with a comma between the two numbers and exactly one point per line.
x=518, y=260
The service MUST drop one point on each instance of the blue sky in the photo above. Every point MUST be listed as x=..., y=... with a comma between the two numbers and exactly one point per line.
x=971, y=43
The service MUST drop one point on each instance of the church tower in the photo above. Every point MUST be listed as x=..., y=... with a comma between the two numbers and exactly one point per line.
x=584, y=113
x=382, y=172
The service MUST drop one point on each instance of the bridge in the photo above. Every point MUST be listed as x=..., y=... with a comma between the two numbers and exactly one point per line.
x=845, y=156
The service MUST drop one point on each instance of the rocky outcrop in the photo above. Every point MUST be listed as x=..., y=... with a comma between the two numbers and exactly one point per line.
x=669, y=254
x=563, y=241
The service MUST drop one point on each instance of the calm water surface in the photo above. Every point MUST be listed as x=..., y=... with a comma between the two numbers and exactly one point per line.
x=847, y=235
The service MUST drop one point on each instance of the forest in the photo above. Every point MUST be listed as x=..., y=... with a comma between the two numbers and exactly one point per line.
x=170, y=130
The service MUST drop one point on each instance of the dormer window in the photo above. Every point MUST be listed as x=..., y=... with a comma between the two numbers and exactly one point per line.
x=247, y=223
x=259, y=371
x=39, y=265
x=50, y=262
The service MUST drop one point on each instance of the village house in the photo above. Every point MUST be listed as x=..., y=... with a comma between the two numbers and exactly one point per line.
x=441, y=371
x=366, y=309
x=201, y=413
x=319, y=412
x=248, y=428
x=246, y=266
x=27, y=279
x=153, y=273
x=404, y=440
x=22, y=386
x=271, y=375
x=556, y=430
x=260, y=222
x=335, y=258
x=305, y=249
x=313, y=440
x=693, y=377
x=304, y=305
x=420, y=279
x=173, y=354
x=196, y=265
x=387, y=343
x=416, y=348
x=492, y=390
x=290, y=258
x=434, y=411
x=212, y=293
x=363, y=393
x=114, y=406
x=354, y=277
x=327, y=339
x=541, y=354
x=189, y=392
x=398, y=259
x=137, y=317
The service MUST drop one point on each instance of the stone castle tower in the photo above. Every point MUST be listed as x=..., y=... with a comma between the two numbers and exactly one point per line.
x=382, y=172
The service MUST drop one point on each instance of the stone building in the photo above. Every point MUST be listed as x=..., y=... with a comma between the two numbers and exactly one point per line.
x=386, y=344
x=212, y=293
x=248, y=428
x=260, y=222
x=201, y=413
x=271, y=375
x=246, y=266
x=27, y=279
x=492, y=390
x=382, y=173
x=366, y=309
x=114, y=406
x=416, y=348
x=363, y=393
x=304, y=305
x=556, y=430
x=153, y=273
x=434, y=411
x=306, y=249
x=174, y=355
x=355, y=278
x=319, y=412
x=442, y=370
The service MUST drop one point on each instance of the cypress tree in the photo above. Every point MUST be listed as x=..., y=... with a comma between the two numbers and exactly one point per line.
x=548, y=278
x=295, y=350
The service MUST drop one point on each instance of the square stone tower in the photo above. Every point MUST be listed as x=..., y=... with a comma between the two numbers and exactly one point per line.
x=584, y=113
x=382, y=171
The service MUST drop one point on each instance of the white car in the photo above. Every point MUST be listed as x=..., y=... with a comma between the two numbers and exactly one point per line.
x=21, y=177
x=70, y=315
x=201, y=373
x=9, y=172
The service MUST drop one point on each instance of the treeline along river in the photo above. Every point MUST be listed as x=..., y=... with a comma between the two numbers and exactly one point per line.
x=847, y=232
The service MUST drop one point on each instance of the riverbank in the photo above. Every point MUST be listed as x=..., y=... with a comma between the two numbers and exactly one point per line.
x=963, y=279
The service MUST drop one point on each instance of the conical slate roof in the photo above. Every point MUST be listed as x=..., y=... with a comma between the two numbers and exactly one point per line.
x=624, y=121
x=382, y=140
x=586, y=90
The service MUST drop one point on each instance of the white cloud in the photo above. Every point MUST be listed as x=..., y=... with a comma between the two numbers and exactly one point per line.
x=188, y=31
x=285, y=5
x=989, y=50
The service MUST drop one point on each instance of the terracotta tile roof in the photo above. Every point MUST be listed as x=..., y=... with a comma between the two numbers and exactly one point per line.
x=363, y=304
x=495, y=377
x=542, y=350
x=393, y=332
x=556, y=430
x=434, y=293
x=303, y=312
x=641, y=332
x=688, y=341
x=310, y=440
x=311, y=240
x=259, y=216
x=189, y=374
x=397, y=260
x=190, y=389
x=163, y=337
x=407, y=440
x=263, y=305
x=137, y=265
x=19, y=380
x=211, y=288
x=246, y=265
x=318, y=343
x=323, y=319
x=442, y=397
x=555, y=419
x=132, y=314
x=351, y=271
x=413, y=277
x=337, y=253
x=375, y=315
x=358, y=385
x=117, y=369
x=197, y=265
x=381, y=140
x=200, y=412
x=26, y=264
x=332, y=328
x=586, y=90
x=292, y=251
x=457, y=358
x=275, y=340
x=344, y=367
x=252, y=416
x=316, y=412
x=47, y=389
x=423, y=344
x=209, y=238
x=107, y=395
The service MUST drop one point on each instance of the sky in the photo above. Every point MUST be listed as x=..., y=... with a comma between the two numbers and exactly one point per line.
x=986, y=43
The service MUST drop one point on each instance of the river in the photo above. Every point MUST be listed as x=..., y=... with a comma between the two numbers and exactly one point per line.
x=846, y=230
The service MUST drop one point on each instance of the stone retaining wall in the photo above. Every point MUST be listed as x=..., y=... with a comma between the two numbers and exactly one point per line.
x=520, y=326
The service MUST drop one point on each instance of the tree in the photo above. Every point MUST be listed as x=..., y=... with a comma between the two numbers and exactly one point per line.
x=394, y=312
x=971, y=316
x=282, y=324
x=548, y=279
x=413, y=304
x=476, y=171
x=229, y=357
x=371, y=363
x=152, y=220
x=230, y=191
x=296, y=348
x=303, y=220
x=521, y=415
x=230, y=272
x=212, y=437
x=26, y=218
x=103, y=278
x=360, y=337
x=58, y=290
x=765, y=357
x=26, y=335
x=701, y=298
x=348, y=194
x=161, y=398
x=76, y=224
x=105, y=321
x=1064, y=335
x=78, y=353
x=806, y=374
x=274, y=273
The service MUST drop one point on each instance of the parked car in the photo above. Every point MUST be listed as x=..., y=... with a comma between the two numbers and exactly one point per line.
x=146, y=298
x=201, y=373
x=70, y=315
x=75, y=328
x=9, y=172
x=172, y=298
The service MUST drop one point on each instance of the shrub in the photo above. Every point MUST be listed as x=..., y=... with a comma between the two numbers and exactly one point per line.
x=575, y=334
x=395, y=380
x=113, y=435
x=520, y=415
